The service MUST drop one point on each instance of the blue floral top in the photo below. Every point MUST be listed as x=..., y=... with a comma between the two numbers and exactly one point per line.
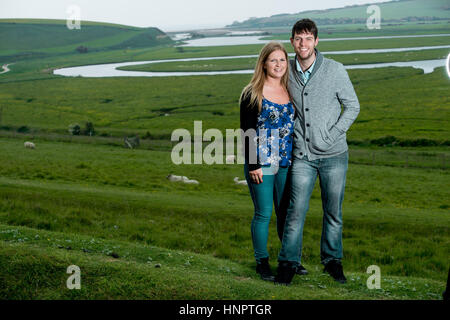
x=275, y=116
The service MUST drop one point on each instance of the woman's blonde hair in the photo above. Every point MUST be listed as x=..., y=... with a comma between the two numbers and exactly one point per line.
x=254, y=89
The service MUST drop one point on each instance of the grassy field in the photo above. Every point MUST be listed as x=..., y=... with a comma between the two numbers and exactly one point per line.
x=53, y=37
x=89, y=201
x=41, y=66
x=249, y=63
x=120, y=106
x=108, y=199
x=392, y=12
x=361, y=30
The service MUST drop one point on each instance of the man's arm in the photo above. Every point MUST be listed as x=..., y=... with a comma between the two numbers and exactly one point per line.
x=347, y=97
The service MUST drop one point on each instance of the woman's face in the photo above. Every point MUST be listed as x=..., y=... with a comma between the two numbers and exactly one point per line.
x=276, y=64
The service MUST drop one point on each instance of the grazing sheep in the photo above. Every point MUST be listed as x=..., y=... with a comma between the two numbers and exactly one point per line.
x=184, y=179
x=29, y=145
x=230, y=159
x=242, y=182
x=173, y=177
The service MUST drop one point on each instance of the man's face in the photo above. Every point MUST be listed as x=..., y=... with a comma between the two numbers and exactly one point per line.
x=304, y=44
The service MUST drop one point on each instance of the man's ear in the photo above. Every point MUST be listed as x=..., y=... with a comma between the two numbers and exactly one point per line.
x=317, y=41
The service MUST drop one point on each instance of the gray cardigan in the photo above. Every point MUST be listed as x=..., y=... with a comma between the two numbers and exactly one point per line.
x=321, y=124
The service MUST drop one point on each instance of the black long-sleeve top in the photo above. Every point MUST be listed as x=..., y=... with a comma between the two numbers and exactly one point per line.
x=249, y=119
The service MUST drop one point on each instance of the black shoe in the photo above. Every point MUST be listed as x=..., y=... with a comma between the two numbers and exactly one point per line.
x=285, y=273
x=334, y=268
x=301, y=270
x=263, y=268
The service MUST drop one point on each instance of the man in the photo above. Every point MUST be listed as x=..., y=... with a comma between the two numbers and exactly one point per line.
x=326, y=106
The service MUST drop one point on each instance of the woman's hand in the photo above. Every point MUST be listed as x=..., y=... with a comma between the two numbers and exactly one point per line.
x=256, y=176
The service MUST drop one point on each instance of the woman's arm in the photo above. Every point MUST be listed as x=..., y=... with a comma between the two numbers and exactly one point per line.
x=249, y=120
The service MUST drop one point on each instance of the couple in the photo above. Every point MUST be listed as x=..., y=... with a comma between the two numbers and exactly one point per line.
x=294, y=108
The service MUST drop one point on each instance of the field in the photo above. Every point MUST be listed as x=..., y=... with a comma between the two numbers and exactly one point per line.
x=360, y=30
x=249, y=63
x=392, y=13
x=88, y=201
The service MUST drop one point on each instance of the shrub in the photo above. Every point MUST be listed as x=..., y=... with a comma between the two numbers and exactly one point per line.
x=389, y=140
x=75, y=129
x=23, y=129
x=82, y=49
x=89, y=129
x=147, y=135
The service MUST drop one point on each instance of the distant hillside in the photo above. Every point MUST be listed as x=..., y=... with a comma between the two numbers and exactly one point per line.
x=53, y=36
x=394, y=11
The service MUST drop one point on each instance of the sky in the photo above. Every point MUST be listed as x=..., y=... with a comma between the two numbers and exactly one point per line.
x=167, y=15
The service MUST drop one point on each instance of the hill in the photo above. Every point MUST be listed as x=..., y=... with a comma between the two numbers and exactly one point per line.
x=391, y=12
x=25, y=38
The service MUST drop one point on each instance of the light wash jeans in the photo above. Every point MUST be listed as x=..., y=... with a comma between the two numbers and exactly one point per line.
x=264, y=196
x=332, y=174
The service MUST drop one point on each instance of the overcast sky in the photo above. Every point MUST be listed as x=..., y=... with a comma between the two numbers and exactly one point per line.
x=168, y=15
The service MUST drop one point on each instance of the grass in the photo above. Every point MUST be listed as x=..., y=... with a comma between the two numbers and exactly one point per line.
x=108, y=199
x=38, y=260
x=86, y=200
x=249, y=63
x=47, y=36
x=40, y=65
x=122, y=106
x=391, y=12
x=360, y=30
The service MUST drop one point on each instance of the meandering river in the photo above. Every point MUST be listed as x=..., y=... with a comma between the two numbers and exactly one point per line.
x=110, y=69
x=232, y=41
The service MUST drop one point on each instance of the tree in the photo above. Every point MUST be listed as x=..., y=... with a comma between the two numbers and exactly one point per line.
x=74, y=129
x=89, y=129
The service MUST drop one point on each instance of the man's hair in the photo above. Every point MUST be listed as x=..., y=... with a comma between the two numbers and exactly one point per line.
x=304, y=25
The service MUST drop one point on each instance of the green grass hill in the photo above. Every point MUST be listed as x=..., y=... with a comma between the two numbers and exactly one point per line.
x=28, y=38
x=391, y=12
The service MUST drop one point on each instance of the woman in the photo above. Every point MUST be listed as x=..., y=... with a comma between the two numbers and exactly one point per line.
x=265, y=107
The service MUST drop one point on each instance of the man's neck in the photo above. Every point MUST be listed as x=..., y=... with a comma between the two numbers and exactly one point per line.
x=306, y=64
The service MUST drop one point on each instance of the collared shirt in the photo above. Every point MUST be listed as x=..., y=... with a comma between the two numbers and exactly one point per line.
x=305, y=75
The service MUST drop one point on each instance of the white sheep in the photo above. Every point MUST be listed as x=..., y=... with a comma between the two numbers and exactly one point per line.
x=173, y=177
x=29, y=145
x=184, y=179
x=241, y=182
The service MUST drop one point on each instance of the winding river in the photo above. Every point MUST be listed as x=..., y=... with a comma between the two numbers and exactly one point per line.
x=241, y=40
x=110, y=69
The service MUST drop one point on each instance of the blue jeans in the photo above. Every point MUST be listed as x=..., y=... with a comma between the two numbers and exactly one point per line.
x=264, y=196
x=332, y=174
